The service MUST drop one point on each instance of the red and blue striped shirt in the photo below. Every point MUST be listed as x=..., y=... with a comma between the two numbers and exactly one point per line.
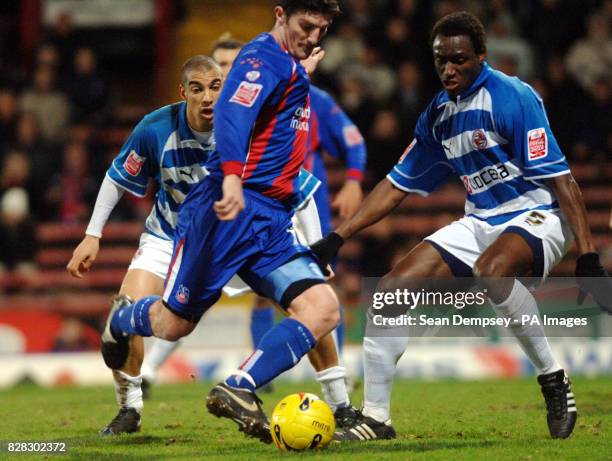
x=262, y=120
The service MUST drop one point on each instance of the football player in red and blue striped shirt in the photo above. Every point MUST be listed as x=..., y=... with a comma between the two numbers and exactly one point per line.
x=238, y=220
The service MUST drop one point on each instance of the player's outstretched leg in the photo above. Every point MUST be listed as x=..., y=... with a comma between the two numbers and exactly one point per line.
x=115, y=348
x=556, y=387
x=280, y=349
x=560, y=403
x=262, y=321
x=241, y=405
x=314, y=313
x=129, y=398
x=380, y=356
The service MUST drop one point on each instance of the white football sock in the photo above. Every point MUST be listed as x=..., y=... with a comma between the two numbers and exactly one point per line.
x=127, y=390
x=380, y=356
x=531, y=337
x=334, y=387
x=155, y=357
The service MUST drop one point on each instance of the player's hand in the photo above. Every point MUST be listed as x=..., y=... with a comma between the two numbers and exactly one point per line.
x=330, y=273
x=326, y=250
x=593, y=279
x=312, y=61
x=232, y=201
x=83, y=256
x=348, y=199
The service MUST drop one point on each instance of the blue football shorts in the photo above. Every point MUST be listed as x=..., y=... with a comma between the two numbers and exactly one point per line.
x=259, y=245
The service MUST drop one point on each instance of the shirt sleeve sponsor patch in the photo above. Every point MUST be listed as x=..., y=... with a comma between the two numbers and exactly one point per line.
x=407, y=151
x=133, y=163
x=246, y=94
x=537, y=144
x=352, y=136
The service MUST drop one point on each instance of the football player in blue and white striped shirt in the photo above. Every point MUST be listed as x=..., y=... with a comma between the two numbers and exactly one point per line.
x=523, y=209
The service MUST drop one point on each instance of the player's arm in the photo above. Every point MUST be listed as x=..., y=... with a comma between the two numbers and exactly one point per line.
x=421, y=169
x=86, y=252
x=591, y=276
x=379, y=203
x=341, y=138
x=525, y=124
x=129, y=171
x=247, y=88
x=572, y=204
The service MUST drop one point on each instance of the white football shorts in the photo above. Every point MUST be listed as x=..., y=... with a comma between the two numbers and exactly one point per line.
x=547, y=232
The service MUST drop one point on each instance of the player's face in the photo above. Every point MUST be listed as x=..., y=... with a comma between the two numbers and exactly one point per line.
x=456, y=62
x=303, y=31
x=201, y=91
x=225, y=59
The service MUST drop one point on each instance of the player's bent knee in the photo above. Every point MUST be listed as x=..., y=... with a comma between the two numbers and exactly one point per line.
x=168, y=325
x=298, y=289
x=318, y=308
x=486, y=266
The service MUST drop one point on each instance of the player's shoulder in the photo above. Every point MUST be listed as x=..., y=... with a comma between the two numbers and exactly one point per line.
x=508, y=92
x=263, y=53
x=320, y=93
x=163, y=117
x=428, y=117
x=321, y=99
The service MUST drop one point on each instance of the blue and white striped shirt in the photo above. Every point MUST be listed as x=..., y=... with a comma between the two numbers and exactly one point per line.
x=496, y=138
x=163, y=147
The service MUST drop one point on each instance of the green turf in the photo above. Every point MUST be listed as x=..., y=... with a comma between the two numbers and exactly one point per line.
x=443, y=420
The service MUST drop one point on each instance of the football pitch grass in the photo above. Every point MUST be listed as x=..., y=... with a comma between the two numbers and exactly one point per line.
x=439, y=420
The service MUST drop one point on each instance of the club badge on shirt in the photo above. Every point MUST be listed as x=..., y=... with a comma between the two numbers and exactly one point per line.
x=537, y=144
x=253, y=75
x=246, y=94
x=479, y=139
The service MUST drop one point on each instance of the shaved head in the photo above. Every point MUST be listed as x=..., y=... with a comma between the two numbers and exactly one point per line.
x=198, y=62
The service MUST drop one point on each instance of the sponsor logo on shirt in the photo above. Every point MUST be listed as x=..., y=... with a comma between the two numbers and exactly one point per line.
x=485, y=178
x=537, y=144
x=479, y=140
x=407, y=151
x=352, y=136
x=300, y=118
x=133, y=163
x=466, y=184
x=246, y=94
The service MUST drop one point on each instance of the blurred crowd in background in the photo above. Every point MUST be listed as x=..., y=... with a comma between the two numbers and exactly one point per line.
x=63, y=114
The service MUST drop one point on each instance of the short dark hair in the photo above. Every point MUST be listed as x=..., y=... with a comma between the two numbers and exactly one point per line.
x=326, y=7
x=461, y=23
x=226, y=41
x=199, y=61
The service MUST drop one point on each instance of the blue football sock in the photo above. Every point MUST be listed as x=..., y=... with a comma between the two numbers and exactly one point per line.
x=280, y=349
x=340, y=330
x=262, y=321
x=133, y=319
